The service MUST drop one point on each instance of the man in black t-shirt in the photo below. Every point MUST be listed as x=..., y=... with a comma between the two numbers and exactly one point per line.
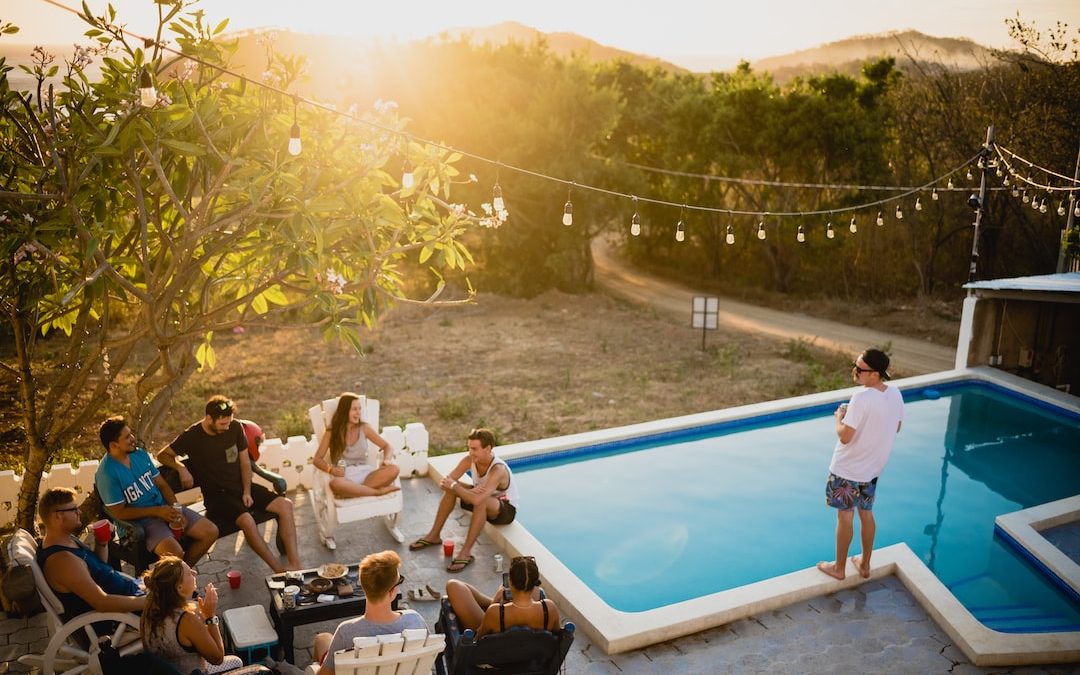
x=217, y=460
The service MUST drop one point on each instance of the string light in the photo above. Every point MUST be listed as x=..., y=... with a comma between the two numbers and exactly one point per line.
x=934, y=195
x=950, y=184
x=918, y=204
x=1042, y=205
x=1015, y=191
x=761, y=230
x=147, y=93
x=899, y=213
x=408, y=180
x=295, y=146
x=730, y=236
x=1076, y=211
x=1024, y=196
x=1061, y=208
x=1005, y=182
x=969, y=175
x=880, y=219
x=497, y=202
x=680, y=231
x=852, y=227
x=635, y=221
x=568, y=211
x=829, y=231
x=800, y=235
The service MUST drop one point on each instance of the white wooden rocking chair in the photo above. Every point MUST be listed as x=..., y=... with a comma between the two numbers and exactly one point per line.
x=330, y=511
x=412, y=652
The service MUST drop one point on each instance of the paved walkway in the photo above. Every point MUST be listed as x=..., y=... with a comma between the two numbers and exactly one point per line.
x=874, y=628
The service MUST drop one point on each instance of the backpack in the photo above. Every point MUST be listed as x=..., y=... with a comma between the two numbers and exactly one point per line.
x=20, y=596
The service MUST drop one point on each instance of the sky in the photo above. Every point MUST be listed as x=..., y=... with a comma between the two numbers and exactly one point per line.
x=691, y=33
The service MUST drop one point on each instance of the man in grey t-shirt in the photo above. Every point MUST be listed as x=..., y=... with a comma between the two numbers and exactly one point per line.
x=380, y=579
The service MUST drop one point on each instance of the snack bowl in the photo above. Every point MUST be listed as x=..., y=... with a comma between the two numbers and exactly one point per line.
x=320, y=585
x=332, y=571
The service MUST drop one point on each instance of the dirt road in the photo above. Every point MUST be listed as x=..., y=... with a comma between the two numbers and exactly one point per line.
x=910, y=356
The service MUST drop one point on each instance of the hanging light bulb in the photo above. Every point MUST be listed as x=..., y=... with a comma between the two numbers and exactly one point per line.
x=730, y=236
x=999, y=172
x=1005, y=182
x=969, y=175
x=918, y=204
x=1015, y=191
x=880, y=219
x=829, y=231
x=800, y=235
x=295, y=146
x=1061, y=208
x=408, y=180
x=635, y=221
x=147, y=92
x=934, y=194
x=899, y=213
x=497, y=202
x=1076, y=210
x=568, y=213
x=950, y=185
x=680, y=231
x=1042, y=205
x=761, y=230
x=852, y=227
x=1034, y=203
x=1024, y=196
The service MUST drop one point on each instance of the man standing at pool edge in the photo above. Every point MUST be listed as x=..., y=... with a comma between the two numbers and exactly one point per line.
x=865, y=431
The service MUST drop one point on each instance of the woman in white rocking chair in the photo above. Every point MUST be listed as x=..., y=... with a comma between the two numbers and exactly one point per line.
x=347, y=441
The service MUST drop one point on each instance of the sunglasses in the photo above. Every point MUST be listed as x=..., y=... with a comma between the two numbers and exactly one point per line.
x=855, y=366
x=400, y=580
x=71, y=508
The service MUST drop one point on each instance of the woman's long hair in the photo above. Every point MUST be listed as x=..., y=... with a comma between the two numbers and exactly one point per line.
x=339, y=424
x=524, y=574
x=162, y=593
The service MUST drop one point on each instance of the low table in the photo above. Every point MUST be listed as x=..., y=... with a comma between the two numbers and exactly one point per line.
x=286, y=620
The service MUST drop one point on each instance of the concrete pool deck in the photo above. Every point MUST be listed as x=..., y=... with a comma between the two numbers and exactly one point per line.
x=615, y=631
x=873, y=627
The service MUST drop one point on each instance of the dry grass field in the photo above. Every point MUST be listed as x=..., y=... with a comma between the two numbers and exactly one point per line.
x=552, y=365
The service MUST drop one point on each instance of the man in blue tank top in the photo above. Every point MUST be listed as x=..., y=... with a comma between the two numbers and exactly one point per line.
x=81, y=578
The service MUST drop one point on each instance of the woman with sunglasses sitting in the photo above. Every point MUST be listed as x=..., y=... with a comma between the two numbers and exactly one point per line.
x=522, y=604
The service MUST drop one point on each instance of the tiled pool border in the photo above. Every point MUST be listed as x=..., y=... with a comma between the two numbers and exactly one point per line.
x=615, y=631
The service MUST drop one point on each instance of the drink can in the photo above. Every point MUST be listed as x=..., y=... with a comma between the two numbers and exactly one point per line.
x=288, y=600
x=498, y=562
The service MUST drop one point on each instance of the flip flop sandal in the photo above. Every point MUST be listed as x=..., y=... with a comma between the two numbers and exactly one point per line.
x=418, y=595
x=422, y=543
x=435, y=595
x=458, y=564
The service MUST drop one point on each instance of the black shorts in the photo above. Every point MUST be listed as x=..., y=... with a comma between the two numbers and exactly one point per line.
x=505, y=516
x=226, y=506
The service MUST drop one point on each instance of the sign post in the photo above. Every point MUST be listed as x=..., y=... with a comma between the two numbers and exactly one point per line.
x=704, y=314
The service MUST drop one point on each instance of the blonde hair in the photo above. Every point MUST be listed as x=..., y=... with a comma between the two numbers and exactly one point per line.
x=379, y=574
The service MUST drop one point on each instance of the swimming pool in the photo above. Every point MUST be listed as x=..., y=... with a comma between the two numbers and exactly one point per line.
x=648, y=534
x=756, y=520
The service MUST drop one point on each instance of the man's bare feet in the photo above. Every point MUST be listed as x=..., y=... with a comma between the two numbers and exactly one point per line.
x=864, y=572
x=830, y=569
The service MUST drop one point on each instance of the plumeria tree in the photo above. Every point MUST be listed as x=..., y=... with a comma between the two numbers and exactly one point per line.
x=163, y=203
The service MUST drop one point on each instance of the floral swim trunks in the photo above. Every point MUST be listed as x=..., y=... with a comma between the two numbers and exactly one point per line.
x=844, y=494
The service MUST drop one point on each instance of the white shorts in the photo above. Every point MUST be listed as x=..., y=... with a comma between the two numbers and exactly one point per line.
x=357, y=473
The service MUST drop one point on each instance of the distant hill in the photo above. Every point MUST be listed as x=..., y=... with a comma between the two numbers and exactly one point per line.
x=563, y=44
x=847, y=56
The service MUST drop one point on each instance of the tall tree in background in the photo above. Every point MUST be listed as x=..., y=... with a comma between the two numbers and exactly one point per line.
x=139, y=223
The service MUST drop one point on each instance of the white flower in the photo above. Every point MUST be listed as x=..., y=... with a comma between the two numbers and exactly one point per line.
x=457, y=209
x=384, y=106
x=487, y=208
x=473, y=178
x=335, y=283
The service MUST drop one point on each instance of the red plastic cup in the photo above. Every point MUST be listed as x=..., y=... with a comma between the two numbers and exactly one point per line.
x=102, y=530
x=448, y=547
x=177, y=530
x=234, y=578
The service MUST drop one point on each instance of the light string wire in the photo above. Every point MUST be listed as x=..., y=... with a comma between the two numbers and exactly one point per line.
x=905, y=191
x=1032, y=165
x=1032, y=183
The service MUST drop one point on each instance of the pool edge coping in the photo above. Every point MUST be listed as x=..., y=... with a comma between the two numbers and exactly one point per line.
x=615, y=631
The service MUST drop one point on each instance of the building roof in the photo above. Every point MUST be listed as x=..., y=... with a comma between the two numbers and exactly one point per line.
x=1068, y=282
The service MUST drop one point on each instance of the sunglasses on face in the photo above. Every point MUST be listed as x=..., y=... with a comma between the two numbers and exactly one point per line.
x=855, y=366
x=401, y=580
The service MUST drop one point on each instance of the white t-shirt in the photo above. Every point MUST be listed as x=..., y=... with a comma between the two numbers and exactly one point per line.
x=875, y=416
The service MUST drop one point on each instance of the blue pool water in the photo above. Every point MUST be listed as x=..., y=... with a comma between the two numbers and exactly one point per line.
x=663, y=519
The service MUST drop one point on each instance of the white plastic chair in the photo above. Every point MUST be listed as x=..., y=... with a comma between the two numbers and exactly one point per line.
x=330, y=511
x=413, y=651
x=65, y=654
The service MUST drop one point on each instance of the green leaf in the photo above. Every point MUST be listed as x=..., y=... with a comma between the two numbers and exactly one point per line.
x=183, y=147
x=204, y=355
x=221, y=26
x=258, y=303
x=426, y=252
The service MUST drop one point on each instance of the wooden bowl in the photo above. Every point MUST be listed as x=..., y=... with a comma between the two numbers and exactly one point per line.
x=332, y=571
x=320, y=585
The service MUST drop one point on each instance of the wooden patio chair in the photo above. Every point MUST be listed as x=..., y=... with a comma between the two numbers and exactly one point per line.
x=411, y=652
x=74, y=646
x=331, y=511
